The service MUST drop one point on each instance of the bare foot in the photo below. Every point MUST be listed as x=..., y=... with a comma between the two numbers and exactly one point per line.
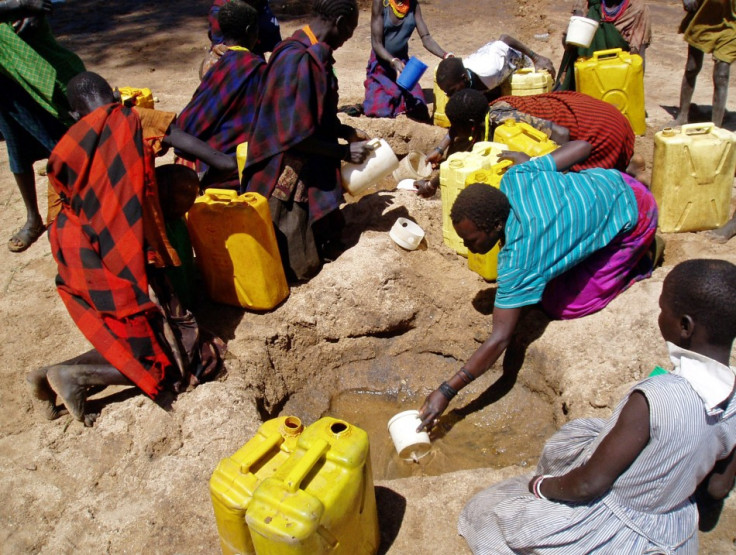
x=44, y=398
x=724, y=233
x=636, y=167
x=73, y=394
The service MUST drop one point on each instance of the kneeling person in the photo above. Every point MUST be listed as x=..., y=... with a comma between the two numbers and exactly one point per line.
x=572, y=241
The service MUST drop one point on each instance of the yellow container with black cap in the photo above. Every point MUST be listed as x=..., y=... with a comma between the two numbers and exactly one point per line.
x=321, y=500
x=236, y=478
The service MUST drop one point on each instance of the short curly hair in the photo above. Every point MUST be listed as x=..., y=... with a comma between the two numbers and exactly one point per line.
x=466, y=105
x=483, y=205
x=450, y=71
x=705, y=289
x=235, y=17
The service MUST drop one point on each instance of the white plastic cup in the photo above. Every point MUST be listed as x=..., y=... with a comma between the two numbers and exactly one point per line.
x=406, y=234
x=580, y=31
x=410, y=444
x=377, y=165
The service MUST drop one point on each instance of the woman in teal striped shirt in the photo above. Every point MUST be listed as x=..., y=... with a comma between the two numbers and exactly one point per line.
x=572, y=241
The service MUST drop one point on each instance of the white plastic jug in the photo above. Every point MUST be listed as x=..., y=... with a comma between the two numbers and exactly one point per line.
x=377, y=165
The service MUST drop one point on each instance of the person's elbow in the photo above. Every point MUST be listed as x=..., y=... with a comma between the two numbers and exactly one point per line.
x=587, y=489
x=720, y=487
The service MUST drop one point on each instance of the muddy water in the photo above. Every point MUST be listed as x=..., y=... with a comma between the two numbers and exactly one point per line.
x=511, y=431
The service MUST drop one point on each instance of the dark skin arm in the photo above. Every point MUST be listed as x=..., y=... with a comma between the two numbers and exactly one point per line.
x=377, y=36
x=354, y=152
x=504, y=324
x=200, y=150
x=720, y=481
x=565, y=157
x=613, y=456
x=540, y=61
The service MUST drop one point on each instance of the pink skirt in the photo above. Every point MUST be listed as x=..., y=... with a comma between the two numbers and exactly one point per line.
x=597, y=280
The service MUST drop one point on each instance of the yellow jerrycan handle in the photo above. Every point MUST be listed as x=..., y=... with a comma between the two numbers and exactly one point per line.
x=271, y=442
x=610, y=53
x=221, y=195
x=304, y=466
x=698, y=128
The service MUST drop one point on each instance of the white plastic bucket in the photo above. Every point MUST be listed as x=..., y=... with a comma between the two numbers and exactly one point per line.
x=580, y=31
x=413, y=166
x=406, y=234
x=410, y=444
x=377, y=165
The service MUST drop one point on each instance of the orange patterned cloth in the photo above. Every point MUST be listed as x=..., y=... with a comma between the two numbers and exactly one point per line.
x=399, y=7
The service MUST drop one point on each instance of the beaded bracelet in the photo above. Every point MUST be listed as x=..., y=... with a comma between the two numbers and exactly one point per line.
x=447, y=390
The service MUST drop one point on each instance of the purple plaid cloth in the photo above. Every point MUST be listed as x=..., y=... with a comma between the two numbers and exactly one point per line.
x=221, y=110
x=384, y=98
x=298, y=99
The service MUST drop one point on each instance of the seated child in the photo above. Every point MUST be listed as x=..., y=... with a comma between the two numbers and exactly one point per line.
x=625, y=485
x=111, y=249
x=221, y=110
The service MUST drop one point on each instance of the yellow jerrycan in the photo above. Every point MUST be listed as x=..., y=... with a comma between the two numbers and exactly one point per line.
x=440, y=101
x=237, y=253
x=486, y=265
x=617, y=77
x=527, y=81
x=241, y=155
x=522, y=137
x=322, y=499
x=692, y=176
x=453, y=174
x=131, y=96
x=236, y=478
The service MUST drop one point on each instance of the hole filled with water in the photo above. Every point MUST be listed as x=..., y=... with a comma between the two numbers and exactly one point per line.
x=511, y=431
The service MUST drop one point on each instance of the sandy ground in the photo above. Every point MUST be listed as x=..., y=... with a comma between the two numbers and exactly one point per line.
x=378, y=318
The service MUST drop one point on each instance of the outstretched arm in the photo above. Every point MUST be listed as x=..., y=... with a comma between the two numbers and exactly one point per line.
x=504, y=324
x=613, y=456
x=200, y=150
x=540, y=61
x=427, y=41
x=570, y=154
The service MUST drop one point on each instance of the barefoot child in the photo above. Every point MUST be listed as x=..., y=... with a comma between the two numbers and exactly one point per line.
x=625, y=485
x=111, y=249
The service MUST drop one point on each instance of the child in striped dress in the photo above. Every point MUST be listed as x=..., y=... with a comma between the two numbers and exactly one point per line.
x=626, y=484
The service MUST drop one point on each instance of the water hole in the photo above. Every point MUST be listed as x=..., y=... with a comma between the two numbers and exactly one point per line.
x=508, y=432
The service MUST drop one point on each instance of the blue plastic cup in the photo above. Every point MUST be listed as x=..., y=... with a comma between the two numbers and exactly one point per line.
x=413, y=71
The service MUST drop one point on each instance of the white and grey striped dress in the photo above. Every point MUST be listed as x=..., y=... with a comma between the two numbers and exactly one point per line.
x=647, y=510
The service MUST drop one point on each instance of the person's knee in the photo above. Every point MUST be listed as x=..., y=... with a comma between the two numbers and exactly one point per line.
x=694, y=62
x=721, y=72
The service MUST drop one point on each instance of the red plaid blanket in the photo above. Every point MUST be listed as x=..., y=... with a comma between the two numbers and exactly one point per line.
x=103, y=172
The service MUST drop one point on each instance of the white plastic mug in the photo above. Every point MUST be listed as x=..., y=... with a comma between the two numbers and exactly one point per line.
x=406, y=234
x=413, y=166
x=410, y=444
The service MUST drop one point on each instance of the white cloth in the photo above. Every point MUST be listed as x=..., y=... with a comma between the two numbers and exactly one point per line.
x=710, y=379
x=494, y=62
